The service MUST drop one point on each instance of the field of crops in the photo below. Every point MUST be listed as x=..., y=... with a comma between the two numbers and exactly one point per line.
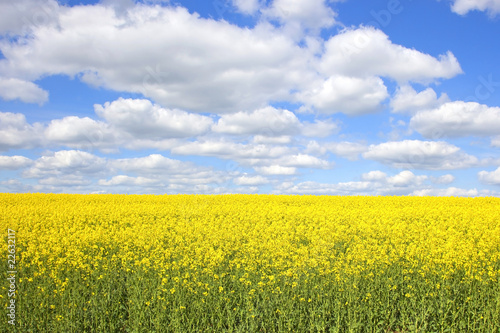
x=252, y=263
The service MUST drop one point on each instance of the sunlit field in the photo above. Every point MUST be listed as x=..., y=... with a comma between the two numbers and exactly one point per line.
x=252, y=263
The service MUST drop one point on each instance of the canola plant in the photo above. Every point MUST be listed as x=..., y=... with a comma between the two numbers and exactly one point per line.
x=252, y=263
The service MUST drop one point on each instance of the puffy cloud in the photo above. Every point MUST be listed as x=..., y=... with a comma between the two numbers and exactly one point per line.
x=462, y=7
x=407, y=100
x=247, y=6
x=66, y=181
x=372, y=183
x=66, y=162
x=142, y=119
x=276, y=170
x=406, y=178
x=21, y=16
x=152, y=164
x=127, y=180
x=449, y=192
x=350, y=95
x=250, y=180
x=298, y=16
x=80, y=133
x=14, y=162
x=458, y=119
x=166, y=171
x=349, y=150
x=415, y=154
x=230, y=150
x=492, y=177
x=16, y=133
x=366, y=52
x=106, y=49
x=271, y=125
x=28, y=92
x=495, y=141
x=267, y=121
x=320, y=128
x=445, y=179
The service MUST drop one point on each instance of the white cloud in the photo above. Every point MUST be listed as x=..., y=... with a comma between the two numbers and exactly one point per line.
x=350, y=95
x=374, y=176
x=66, y=162
x=152, y=164
x=492, y=177
x=349, y=150
x=28, y=92
x=415, y=154
x=407, y=100
x=127, y=180
x=276, y=170
x=133, y=53
x=406, y=178
x=372, y=183
x=249, y=7
x=267, y=121
x=14, y=162
x=16, y=133
x=264, y=139
x=495, y=141
x=458, y=119
x=445, y=179
x=319, y=129
x=448, y=192
x=21, y=16
x=303, y=161
x=298, y=16
x=80, y=133
x=230, y=150
x=462, y=7
x=368, y=52
x=65, y=180
x=142, y=119
x=250, y=180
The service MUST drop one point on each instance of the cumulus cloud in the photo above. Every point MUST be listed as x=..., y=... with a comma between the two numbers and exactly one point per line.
x=267, y=121
x=462, y=7
x=349, y=150
x=276, y=170
x=143, y=119
x=458, y=119
x=366, y=52
x=127, y=180
x=372, y=183
x=492, y=178
x=250, y=180
x=445, y=179
x=407, y=100
x=14, y=162
x=495, y=141
x=28, y=92
x=299, y=16
x=109, y=50
x=80, y=133
x=350, y=95
x=415, y=154
x=16, y=133
x=449, y=192
x=66, y=162
x=249, y=7
x=22, y=16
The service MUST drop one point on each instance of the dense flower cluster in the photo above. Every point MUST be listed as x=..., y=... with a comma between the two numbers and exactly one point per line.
x=254, y=262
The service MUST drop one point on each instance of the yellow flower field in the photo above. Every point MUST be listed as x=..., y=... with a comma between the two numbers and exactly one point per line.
x=252, y=263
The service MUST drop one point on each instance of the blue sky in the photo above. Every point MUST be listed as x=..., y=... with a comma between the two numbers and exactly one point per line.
x=393, y=97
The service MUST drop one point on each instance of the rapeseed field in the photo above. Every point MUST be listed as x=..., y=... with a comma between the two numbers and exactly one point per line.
x=252, y=263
